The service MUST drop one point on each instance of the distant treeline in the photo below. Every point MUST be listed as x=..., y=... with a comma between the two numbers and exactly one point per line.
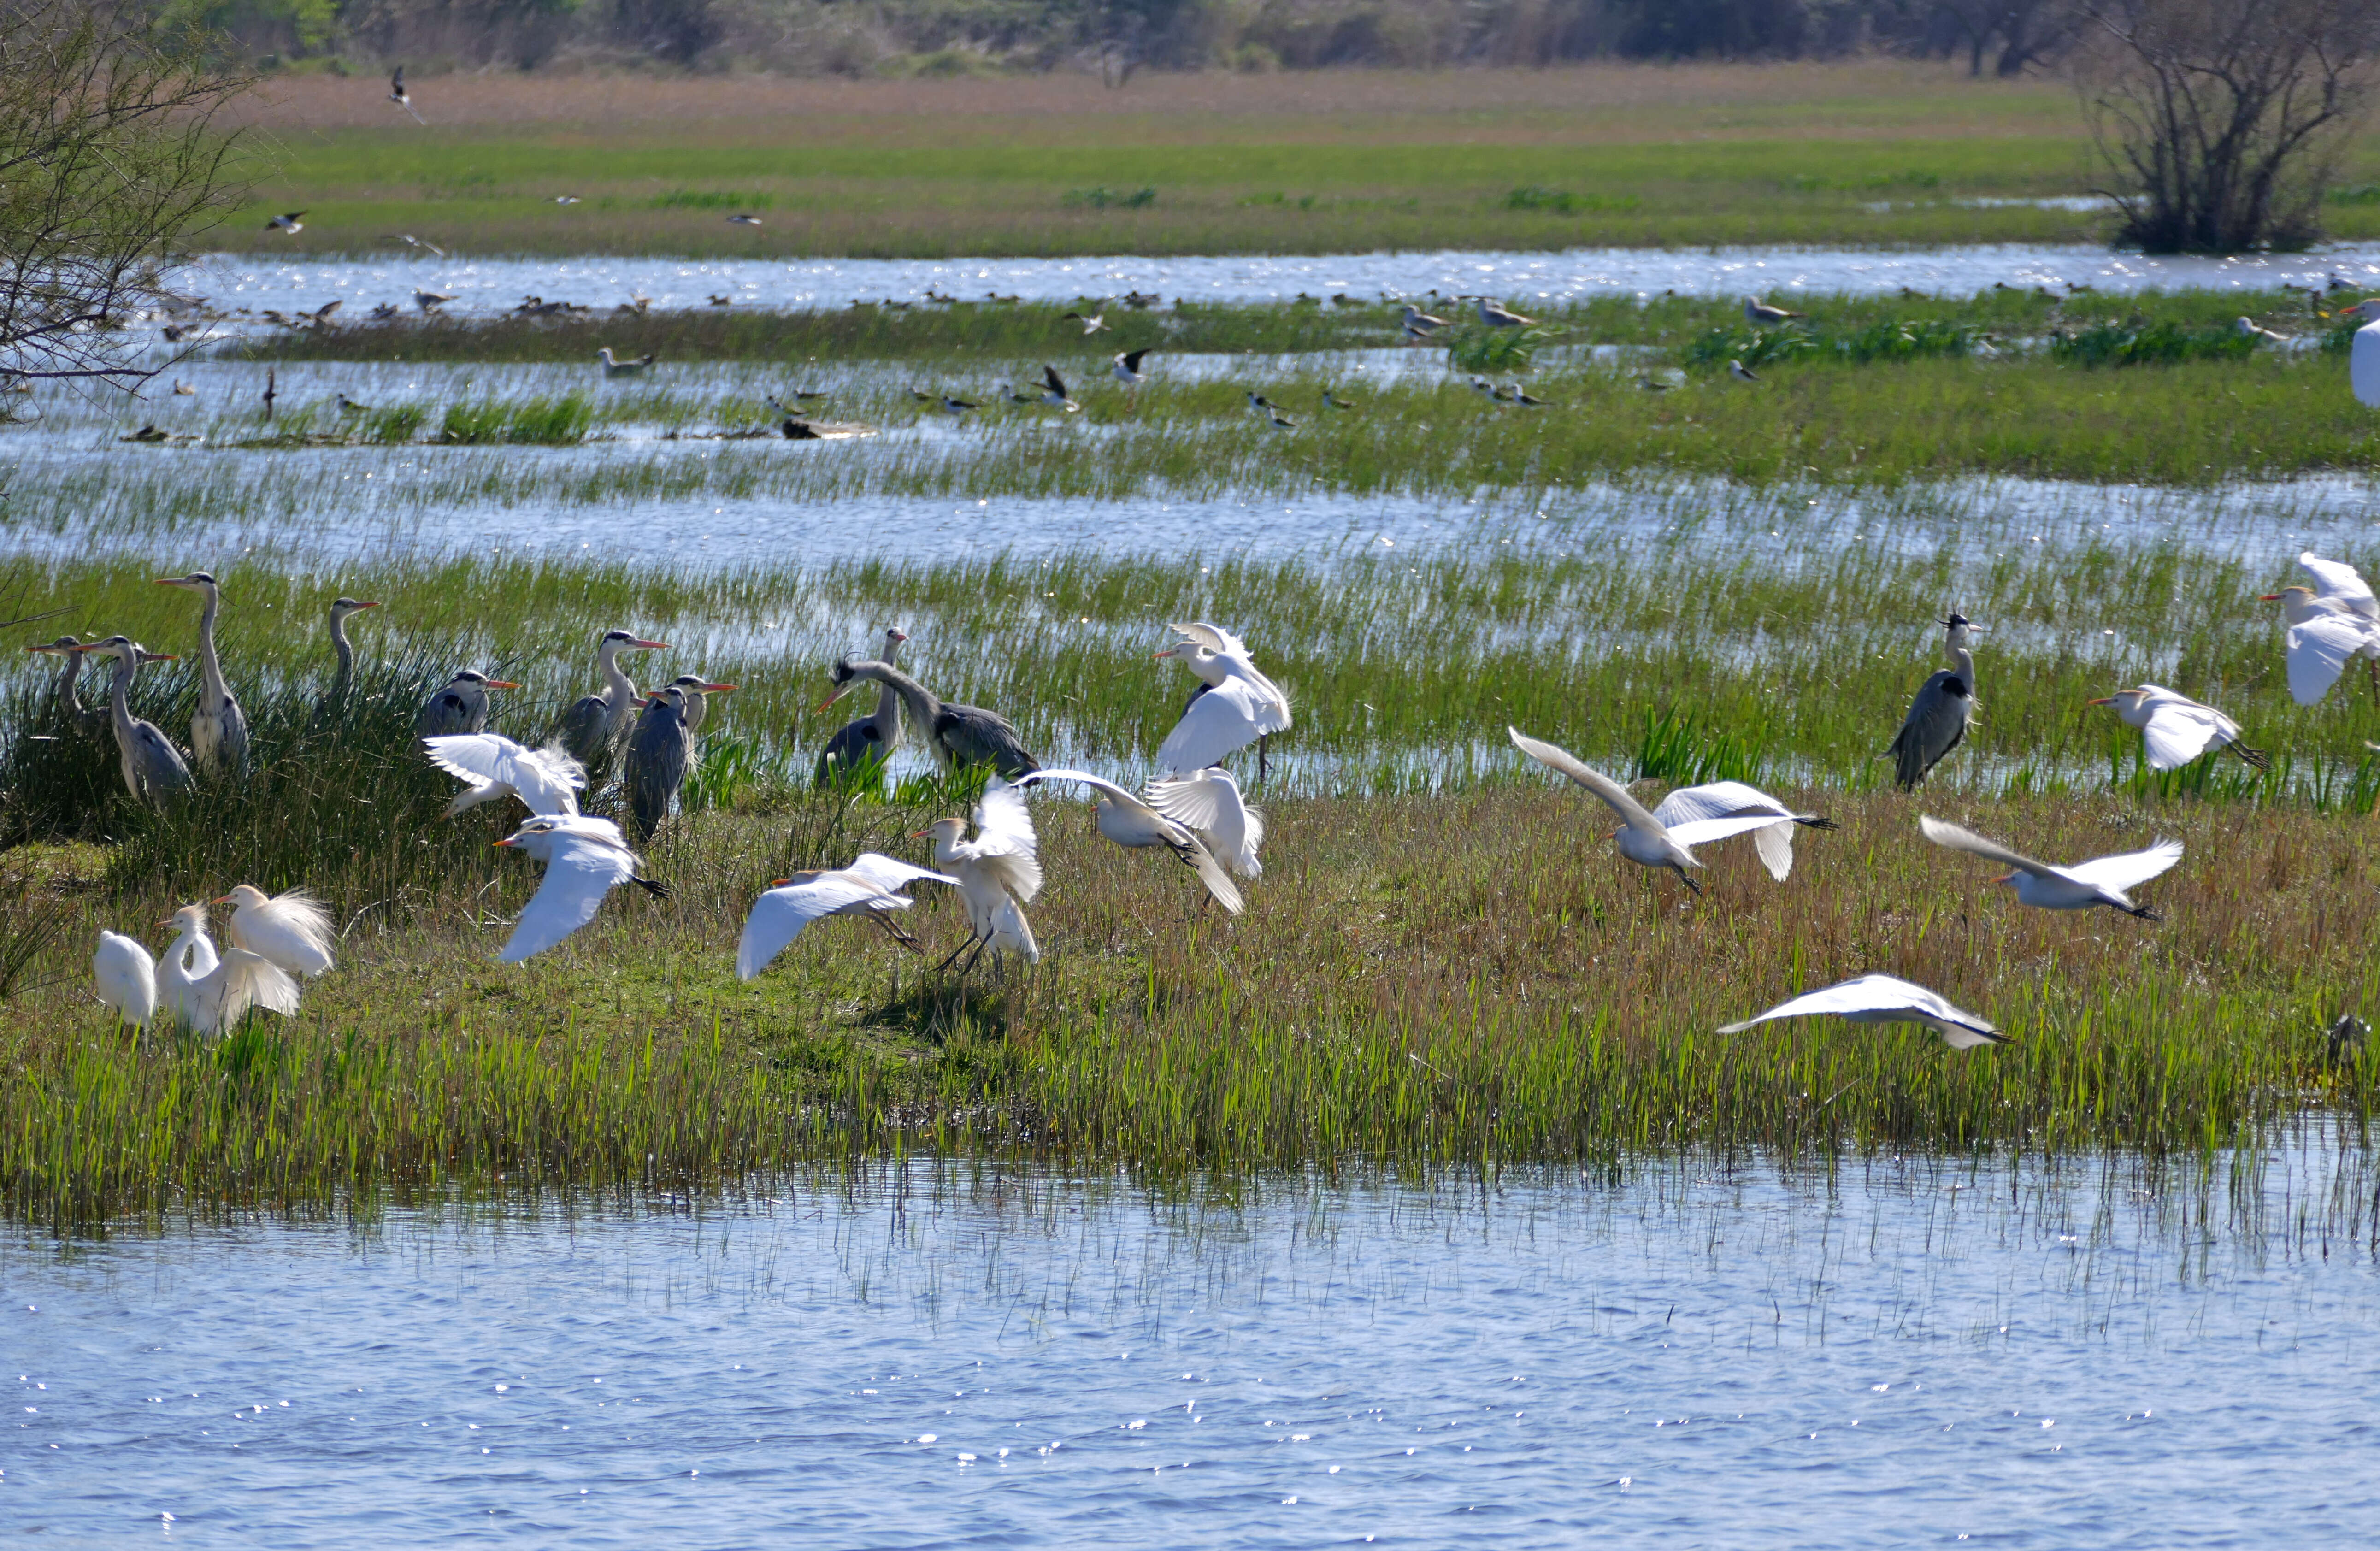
x=868, y=37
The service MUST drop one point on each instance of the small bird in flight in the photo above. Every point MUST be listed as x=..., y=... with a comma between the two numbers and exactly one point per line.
x=1091, y=325
x=565, y=199
x=740, y=219
x=411, y=241
x=1127, y=367
x=1741, y=372
x=288, y=223
x=399, y=95
x=1758, y=311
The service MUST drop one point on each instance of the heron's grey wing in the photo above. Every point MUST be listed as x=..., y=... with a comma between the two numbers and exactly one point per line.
x=2122, y=871
x=162, y=764
x=1957, y=839
x=975, y=736
x=576, y=881
x=234, y=747
x=779, y=916
x=1716, y=799
x=1631, y=812
x=1867, y=993
x=888, y=873
x=2318, y=652
x=2340, y=584
x=580, y=728
x=658, y=753
x=2177, y=735
x=854, y=745
x=1935, y=723
x=1005, y=840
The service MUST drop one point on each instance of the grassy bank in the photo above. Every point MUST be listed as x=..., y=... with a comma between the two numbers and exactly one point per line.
x=1467, y=979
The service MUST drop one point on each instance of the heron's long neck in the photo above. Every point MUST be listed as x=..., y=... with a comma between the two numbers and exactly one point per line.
x=1962, y=662
x=119, y=697
x=210, y=669
x=618, y=688
x=346, y=657
x=69, y=701
x=887, y=720
x=919, y=700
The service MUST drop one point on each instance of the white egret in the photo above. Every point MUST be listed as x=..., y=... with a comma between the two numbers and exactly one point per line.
x=1758, y=311
x=2177, y=729
x=492, y=768
x=460, y=705
x=957, y=735
x=2363, y=352
x=1209, y=801
x=210, y=993
x=2329, y=624
x=1938, y=716
x=1734, y=799
x=1881, y=998
x=1238, y=704
x=593, y=725
x=1130, y=821
x=998, y=872
x=869, y=886
x=2101, y=881
x=1642, y=838
x=292, y=930
x=155, y=771
x=124, y=977
x=218, y=728
x=585, y=859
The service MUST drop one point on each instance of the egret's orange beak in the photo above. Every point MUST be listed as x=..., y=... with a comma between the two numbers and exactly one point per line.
x=2268, y=598
x=780, y=883
x=2108, y=701
x=506, y=841
x=916, y=834
x=2004, y=878
x=220, y=899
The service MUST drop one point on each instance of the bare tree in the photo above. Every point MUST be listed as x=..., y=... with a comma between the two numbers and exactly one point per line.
x=109, y=164
x=2222, y=119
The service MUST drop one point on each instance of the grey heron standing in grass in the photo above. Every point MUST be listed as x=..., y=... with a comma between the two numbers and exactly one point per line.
x=1643, y=839
x=2176, y=729
x=1132, y=822
x=89, y=720
x=1937, y=718
x=698, y=691
x=2101, y=881
x=460, y=705
x=998, y=872
x=585, y=859
x=155, y=771
x=218, y=728
x=661, y=751
x=1881, y=998
x=344, y=680
x=870, y=740
x=957, y=735
x=593, y=724
x=871, y=887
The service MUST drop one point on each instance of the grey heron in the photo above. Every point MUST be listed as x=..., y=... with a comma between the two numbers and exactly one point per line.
x=593, y=724
x=1881, y=998
x=1734, y=799
x=124, y=977
x=460, y=705
x=1496, y=315
x=698, y=691
x=2176, y=729
x=622, y=369
x=154, y=771
x=998, y=872
x=585, y=859
x=1209, y=802
x=957, y=735
x=218, y=728
x=1235, y=704
x=210, y=993
x=399, y=95
x=492, y=768
x=2101, y=881
x=291, y=929
x=1938, y=716
x=1643, y=839
x=1758, y=311
x=89, y=720
x=2329, y=624
x=345, y=678
x=871, y=887
x=1129, y=821
x=870, y=740
x=660, y=752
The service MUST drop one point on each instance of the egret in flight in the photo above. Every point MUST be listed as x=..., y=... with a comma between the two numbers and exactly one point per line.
x=218, y=728
x=2101, y=881
x=1880, y=999
x=998, y=872
x=1937, y=718
x=871, y=887
x=1732, y=800
x=1209, y=802
x=291, y=929
x=2329, y=624
x=2177, y=729
x=492, y=768
x=957, y=735
x=1642, y=838
x=1235, y=704
x=585, y=859
x=1130, y=821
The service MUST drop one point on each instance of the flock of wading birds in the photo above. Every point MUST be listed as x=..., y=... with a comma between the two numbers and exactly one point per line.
x=1194, y=809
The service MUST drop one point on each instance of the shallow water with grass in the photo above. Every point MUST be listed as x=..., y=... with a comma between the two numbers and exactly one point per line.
x=2017, y=1353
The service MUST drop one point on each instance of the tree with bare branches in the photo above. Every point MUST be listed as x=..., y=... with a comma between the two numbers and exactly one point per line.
x=2222, y=119
x=110, y=163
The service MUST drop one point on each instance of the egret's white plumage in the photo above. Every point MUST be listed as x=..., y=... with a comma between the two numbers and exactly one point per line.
x=2329, y=624
x=997, y=871
x=1734, y=799
x=126, y=978
x=2177, y=729
x=870, y=886
x=1239, y=705
x=2101, y=881
x=2363, y=352
x=585, y=859
x=1127, y=819
x=1881, y=998
x=1642, y=838
x=292, y=930
x=1209, y=802
x=493, y=767
x=210, y=993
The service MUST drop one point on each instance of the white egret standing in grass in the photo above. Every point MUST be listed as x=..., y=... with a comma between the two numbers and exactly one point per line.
x=591, y=730
x=1733, y=799
x=1944, y=705
x=2330, y=623
x=1236, y=705
x=1881, y=998
x=585, y=859
x=1642, y=838
x=871, y=887
x=1130, y=821
x=124, y=977
x=210, y=993
x=292, y=928
x=2363, y=352
x=2101, y=881
x=155, y=771
x=492, y=768
x=218, y=728
x=1209, y=802
x=2177, y=729
x=998, y=872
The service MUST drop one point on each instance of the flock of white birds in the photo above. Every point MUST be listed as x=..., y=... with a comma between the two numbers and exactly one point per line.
x=1196, y=811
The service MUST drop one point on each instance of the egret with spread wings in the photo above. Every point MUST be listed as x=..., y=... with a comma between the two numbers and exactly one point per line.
x=871, y=887
x=1235, y=704
x=585, y=859
x=1642, y=838
x=2329, y=624
x=1209, y=802
x=998, y=872
x=492, y=768
x=1733, y=799
x=2176, y=729
x=1881, y=998
x=2101, y=881
x=1130, y=821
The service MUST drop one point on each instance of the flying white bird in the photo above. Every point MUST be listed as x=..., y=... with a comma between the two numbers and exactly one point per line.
x=493, y=767
x=1880, y=999
x=2248, y=328
x=1741, y=372
x=1642, y=838
x=869, y=886
x=585, y=859
x=998, y=871
x=399, y=95
x=2177, y=729
x=2330, y=623
x=1129, y=821
x=1733, y=799
x=126, y=978
x=1209, y=801
x=2363, y=354
x=2101, y=881
x=1237, y=705
x=1758, y=311
x=210, y=994
x=292, y=930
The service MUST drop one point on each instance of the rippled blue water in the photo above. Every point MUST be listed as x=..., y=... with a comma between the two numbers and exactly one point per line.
x=1899, y=1355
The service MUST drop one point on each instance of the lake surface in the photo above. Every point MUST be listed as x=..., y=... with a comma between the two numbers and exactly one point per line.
x=1903, y=1353
x=493, y=285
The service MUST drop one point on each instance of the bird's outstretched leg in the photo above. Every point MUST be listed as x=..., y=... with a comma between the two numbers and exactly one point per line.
x=1688, y=881
x=961, y=948
x=968, y=969
x=1265, y=743
x=893, y=929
